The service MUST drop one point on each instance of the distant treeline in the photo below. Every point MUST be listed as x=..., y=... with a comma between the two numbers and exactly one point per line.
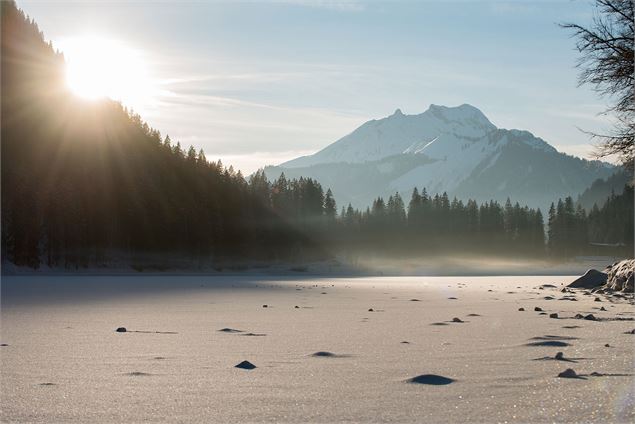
x=606, y=228
x=431, y=224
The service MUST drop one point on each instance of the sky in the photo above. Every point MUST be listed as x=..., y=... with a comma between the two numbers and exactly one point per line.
x=257, y=83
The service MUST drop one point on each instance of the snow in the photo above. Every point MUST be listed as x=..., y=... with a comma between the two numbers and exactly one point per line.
x=458, y=139
x=64, y=362
x=399, y=133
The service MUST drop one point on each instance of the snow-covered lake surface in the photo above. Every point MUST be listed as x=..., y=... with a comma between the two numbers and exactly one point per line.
x=62, y=360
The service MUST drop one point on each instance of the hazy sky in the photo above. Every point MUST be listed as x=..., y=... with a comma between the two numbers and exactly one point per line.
x=261, y=82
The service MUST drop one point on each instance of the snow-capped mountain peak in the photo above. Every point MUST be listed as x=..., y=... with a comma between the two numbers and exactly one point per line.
x=451, y=128
x=452, y=149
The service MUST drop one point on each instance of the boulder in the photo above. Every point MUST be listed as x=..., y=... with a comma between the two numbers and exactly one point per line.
x=591, y=279
x=620, y=276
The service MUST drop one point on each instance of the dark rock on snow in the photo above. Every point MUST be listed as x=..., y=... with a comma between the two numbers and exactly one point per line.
x=323, y=354
x=619, y=276
x=591, y=279
x=431, y=379
x=245, y=365
x=568, y=373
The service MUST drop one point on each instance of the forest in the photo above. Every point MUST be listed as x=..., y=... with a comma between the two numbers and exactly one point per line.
x=83, y=182
x=434, y=224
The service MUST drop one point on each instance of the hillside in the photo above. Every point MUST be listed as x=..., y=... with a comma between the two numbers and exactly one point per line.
x=83, y=181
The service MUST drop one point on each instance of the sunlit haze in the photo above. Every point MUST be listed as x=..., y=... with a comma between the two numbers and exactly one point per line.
x=98, y=67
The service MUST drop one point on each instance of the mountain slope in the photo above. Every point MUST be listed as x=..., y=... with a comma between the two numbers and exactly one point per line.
x=452, y=149
x=602, y=189
x=84, y=181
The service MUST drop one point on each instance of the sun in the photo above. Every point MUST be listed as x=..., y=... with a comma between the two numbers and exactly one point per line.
x=102, y=68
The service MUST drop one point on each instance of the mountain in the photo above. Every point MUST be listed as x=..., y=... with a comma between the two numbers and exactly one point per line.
x=444, y=149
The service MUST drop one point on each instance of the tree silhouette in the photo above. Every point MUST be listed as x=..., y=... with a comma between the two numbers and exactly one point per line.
x=607, y=63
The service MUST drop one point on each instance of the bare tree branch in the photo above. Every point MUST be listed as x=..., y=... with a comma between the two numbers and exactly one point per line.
x=607, y=63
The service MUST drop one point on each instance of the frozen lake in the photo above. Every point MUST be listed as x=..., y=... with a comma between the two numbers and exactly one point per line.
x=64, y=362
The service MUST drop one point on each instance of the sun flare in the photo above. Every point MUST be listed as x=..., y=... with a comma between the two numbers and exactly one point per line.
x=98, y=68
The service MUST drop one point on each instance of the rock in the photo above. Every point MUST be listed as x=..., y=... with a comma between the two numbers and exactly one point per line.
x=371, y=310
x=621, y=276
x=568, y=373
x=549, y=343
x=455, y=319
x=590, y=317
x=591, y=279
x=603, y=309
x=296, y=307
x=630, y=332
x=521, y=309
x=230, y=330
x=538, y=309
x=431, y=379
x=324, y=354
x=542, y=313
x=265, y=306
x=578, y=316
x=607, y=345
x=3, y=344
x=554, y=315
x=245, y=365
x=559, y=356
x=597, y=299
x=121, y=330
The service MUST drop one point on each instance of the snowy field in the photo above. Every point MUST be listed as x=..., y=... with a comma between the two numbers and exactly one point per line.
x=63, y=361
